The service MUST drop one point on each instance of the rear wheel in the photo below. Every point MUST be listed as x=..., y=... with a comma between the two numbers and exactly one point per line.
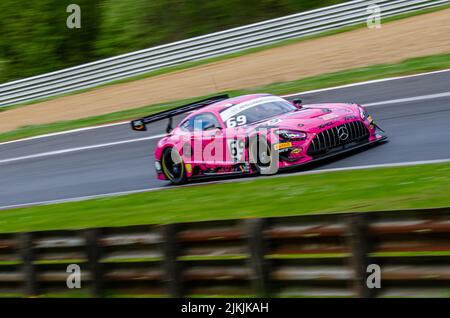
x=173, y=166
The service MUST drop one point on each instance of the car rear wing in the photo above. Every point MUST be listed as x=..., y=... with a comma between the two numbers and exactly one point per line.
x=140, y=124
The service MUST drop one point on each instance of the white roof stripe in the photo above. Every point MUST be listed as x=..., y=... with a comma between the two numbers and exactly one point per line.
x=236, y=109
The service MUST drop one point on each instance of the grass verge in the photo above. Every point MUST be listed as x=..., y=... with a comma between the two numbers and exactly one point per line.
x=406, y=67
x=360, y=190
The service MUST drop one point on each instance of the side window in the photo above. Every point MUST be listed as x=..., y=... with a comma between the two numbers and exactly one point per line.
x=206, y=121
x=188, y=125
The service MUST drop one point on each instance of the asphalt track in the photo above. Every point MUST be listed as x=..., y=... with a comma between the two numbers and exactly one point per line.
x=414, y=112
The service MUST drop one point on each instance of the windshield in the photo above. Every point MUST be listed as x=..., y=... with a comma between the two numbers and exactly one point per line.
x=255, y=110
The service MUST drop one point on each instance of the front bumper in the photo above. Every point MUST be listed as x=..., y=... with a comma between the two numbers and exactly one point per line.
x=380, y=137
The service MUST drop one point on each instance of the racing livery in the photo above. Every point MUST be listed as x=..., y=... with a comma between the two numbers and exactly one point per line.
x=259, y=133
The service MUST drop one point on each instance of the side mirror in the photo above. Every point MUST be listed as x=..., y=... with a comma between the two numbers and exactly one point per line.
x=297, y=102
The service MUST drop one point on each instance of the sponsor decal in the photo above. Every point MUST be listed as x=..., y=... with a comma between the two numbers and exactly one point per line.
x=189, y=168
x=283, y=145
x=325, y=125
x=328, y=116
x=296, y=151
x=244, y=168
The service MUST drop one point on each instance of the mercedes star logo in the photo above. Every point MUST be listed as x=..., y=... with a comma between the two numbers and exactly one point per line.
x=343, y=133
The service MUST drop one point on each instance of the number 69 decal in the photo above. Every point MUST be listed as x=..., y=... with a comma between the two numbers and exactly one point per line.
x=237, y=149
x=236, y=121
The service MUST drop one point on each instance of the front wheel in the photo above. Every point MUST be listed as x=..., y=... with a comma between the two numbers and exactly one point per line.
x=173, y=166
x=260, y=154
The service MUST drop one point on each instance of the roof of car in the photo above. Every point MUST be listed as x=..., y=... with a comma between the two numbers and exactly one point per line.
x=217, y=107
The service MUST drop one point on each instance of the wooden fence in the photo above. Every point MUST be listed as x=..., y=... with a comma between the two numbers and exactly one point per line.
x=313, y=255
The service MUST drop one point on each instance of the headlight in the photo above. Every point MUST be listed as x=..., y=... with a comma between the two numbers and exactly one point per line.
x=291, y=134
x=362, y=113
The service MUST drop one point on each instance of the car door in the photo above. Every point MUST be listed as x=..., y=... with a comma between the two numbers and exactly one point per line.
x=207, y=140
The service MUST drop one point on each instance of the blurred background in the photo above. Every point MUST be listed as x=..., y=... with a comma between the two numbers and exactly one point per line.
x=32, y=40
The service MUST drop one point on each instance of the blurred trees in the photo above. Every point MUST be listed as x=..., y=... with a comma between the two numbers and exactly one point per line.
x=34, y=38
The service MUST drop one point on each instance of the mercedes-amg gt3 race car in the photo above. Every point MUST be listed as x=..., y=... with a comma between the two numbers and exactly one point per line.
x=258, y=133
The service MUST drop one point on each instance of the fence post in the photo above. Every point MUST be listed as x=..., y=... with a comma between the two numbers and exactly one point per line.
x=257, y=249
x=93, y=258
x=172, y=267
x=29, y=270
x=359, y=246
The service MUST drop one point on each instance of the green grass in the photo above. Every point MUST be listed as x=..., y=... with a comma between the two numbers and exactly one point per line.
x=410, y=254
x=62, y=261
x=307, y=256
x=71, y=293
x=409, y=66
x=132, y=260
x=344, y=191
x=192, y=258
x=8, y=263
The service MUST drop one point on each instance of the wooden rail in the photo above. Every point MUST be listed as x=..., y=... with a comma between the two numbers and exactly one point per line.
x=311, y=255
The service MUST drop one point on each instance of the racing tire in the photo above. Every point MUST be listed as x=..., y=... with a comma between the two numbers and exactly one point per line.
x=173, y=166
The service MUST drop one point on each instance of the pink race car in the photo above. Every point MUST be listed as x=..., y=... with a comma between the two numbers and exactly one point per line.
x=258, y=133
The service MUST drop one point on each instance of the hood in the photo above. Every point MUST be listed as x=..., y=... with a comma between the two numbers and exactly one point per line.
x=313, y=117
